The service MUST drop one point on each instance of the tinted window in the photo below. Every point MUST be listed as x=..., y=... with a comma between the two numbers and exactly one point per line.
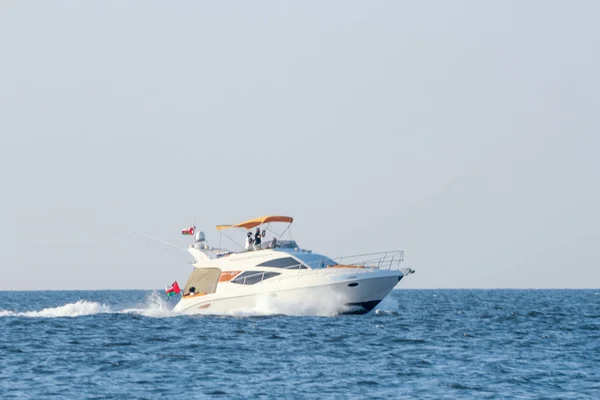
x=286, y=244
x=287, y=262
x=314, y=260
x=252, y=277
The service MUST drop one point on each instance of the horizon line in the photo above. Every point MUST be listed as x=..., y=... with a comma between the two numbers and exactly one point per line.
x=395, y=289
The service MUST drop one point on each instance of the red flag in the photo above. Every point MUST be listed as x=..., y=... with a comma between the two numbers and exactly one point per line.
x=188, y=231
x=173, y=289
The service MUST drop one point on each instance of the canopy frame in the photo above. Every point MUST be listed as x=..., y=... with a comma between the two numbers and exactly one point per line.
x=253, y=223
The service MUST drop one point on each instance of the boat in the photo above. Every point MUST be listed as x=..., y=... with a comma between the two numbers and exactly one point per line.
x=281, y=275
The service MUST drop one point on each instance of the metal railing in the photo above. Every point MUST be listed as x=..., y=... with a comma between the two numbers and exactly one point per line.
x=379, y=260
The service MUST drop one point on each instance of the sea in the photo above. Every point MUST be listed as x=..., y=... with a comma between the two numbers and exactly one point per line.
x=417, y=344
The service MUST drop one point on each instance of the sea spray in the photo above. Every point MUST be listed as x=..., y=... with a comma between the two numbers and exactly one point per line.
x=388, y=306
x=155, y=306
x=77, y=309
x=389, y=303
x=324, y=303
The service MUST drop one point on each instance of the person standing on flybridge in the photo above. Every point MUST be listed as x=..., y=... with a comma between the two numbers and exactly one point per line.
x=257, y=239
x=249, y=241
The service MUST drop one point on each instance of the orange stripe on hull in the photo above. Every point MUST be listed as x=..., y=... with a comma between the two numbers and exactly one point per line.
x=228, y=275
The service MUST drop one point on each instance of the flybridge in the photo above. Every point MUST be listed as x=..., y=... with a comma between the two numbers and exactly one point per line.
x=253, y=242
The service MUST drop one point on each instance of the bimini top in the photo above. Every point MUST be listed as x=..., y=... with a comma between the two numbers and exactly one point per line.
x=251, y=223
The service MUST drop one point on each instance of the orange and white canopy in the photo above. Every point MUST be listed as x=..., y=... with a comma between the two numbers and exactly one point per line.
x=251, y=223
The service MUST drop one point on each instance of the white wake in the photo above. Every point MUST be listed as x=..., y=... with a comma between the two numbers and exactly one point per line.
x=77, y=309
x=155, y=306
x=327, y=304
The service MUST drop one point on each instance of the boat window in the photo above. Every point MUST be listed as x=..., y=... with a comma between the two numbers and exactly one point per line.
x=314, y=260
x=286, y=262
x=252, y=277
x=286, y=244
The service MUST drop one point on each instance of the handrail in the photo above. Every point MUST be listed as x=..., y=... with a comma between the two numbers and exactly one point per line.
x=369, y=254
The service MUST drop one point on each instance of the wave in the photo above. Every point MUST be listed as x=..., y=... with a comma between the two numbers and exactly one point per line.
x=77, y=309
x=155, y=307
x=388, y=306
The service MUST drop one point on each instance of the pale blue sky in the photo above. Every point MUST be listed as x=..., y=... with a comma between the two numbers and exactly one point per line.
x=464, y=132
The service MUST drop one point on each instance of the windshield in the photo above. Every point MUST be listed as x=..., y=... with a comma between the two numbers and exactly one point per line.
x=314, y=260
x=286, y=244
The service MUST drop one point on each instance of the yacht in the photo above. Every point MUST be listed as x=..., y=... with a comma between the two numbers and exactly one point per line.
x=279, y=275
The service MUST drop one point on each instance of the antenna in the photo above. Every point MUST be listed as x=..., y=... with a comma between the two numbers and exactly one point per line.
x=160, y=240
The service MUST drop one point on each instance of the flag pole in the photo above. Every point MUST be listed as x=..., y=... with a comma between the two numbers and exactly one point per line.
x=180, y=291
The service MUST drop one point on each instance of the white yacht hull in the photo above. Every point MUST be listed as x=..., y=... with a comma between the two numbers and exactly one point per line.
x=346, y=291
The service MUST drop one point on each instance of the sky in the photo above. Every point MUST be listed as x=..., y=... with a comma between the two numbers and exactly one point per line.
x=463, y=132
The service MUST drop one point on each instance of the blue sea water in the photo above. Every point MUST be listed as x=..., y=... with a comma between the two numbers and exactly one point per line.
x=437, y=344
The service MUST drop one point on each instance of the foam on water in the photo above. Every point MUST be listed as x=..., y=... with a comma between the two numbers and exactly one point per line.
x=268, y=305
x=77, y=309
x=154, y=306
x=389, y=303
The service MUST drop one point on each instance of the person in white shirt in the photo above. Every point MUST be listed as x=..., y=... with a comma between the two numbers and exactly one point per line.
x=249, y=241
